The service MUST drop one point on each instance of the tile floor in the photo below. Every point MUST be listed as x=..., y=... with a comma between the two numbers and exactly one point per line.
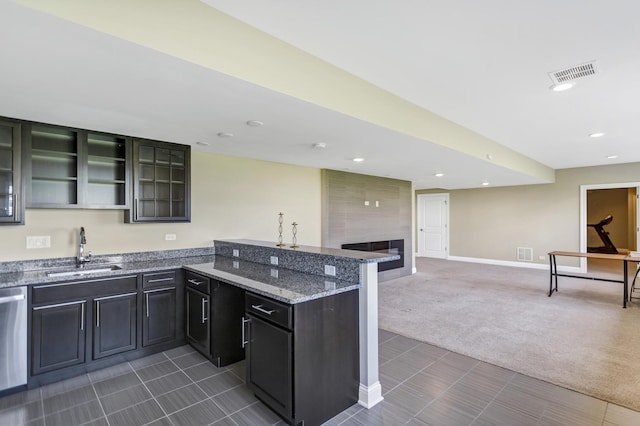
x=422, y=384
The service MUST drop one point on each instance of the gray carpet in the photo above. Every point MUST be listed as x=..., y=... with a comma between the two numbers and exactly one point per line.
x=580, y=338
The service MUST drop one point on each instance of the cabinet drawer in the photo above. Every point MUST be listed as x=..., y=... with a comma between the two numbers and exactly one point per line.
x=277, y=312
x=52, y=293
x=198, y=282
x=158, y=279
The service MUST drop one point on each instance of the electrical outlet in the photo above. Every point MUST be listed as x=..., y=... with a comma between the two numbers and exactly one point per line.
x=330, y=270
x=236, y=253
x=329, y=285
x=236, y=264
x=170, y=237
x=542, y=257
x=38, y=242
x=274, y=260
x=366, y=203
x=274, y=273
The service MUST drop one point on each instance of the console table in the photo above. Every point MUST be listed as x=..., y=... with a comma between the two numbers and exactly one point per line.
x=553, y=270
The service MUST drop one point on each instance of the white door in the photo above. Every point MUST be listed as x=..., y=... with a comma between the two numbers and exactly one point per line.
x=433, y=225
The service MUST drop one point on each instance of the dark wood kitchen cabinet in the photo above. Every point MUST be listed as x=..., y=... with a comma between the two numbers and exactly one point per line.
x=58, y=336
x=162, y=318
x=302, y=360
x=198, y=331
x=77, y=322
x=75, y=168
x=161, y=182
x=214, y=319
x=86, y=324
x=115, y=324
x=11, y=190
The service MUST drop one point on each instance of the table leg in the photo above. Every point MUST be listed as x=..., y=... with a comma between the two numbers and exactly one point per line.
x=553, y=272
x=626, y=284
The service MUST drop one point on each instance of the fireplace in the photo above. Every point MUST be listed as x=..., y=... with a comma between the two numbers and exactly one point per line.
x=386, y=247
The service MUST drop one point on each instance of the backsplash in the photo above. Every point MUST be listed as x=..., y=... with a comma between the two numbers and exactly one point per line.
x=307, y=259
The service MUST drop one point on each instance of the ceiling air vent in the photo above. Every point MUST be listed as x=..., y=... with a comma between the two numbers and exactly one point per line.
x=574, y=73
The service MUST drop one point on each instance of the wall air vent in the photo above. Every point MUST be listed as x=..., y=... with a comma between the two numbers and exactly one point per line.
x=574, y=73
x=525, y=254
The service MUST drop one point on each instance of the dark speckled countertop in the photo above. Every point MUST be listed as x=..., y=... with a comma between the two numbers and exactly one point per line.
x=30, y=277
x=291, y=276
x=278, y=283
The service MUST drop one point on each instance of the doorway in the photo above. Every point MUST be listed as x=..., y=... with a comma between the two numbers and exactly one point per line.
x=597, y=203
x=433, y=225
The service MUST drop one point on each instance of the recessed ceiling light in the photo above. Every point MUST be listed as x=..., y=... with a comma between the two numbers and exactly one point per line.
x=596, y=135
x=254, y=123
x=358, y=159
x=485, y=183
x=320, y=145
x=562, y=87
x=612, y=157
x=225, y=135
x=439, y=174
x=202, y=143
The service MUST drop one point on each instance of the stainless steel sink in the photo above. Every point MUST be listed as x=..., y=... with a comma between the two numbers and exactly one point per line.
x=84, y=271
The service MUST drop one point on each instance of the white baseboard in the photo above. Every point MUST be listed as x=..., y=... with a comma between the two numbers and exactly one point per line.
x=370, y=395
x=572, y=269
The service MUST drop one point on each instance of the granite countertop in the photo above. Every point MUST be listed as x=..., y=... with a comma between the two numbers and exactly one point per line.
x=30, y=277
x=278, y=283
x=354, y=255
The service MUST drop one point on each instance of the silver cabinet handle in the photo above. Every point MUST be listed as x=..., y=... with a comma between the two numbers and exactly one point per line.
x=9, y=299
x=204, y=318
x=263, y=310
x=159, y=280
x=97, y=313
x=147, y=303
x=245, y=342
x=82, y=317
x=192, y=281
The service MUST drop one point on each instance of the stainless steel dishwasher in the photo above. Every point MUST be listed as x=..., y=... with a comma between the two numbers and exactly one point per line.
x=13, y=337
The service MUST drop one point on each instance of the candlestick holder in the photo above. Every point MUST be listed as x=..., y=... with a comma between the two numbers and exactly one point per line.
x=294, y=239
x=280, y=243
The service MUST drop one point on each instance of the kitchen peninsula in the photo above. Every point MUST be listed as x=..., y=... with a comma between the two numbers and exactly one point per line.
x=298, y=292
x=337, y=267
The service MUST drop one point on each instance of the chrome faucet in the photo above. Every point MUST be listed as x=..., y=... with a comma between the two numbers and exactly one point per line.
x=81, y=259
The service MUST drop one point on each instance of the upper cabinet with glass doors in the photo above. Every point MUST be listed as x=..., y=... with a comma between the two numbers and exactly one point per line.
x=11, y=194
x=161, y=182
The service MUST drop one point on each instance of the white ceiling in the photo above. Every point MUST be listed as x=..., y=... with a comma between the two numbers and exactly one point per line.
x=483, y=65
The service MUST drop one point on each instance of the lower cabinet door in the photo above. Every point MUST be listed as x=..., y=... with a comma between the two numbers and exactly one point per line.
x=198, y=331
x=159, y=318
x=114, y=324
x=58, y=336
x=269, y=365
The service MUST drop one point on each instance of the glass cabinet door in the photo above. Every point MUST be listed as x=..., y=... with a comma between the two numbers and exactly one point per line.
x=161, y=182
x=11, y=207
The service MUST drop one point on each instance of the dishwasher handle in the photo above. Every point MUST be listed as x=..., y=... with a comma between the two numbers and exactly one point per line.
x=14, y=298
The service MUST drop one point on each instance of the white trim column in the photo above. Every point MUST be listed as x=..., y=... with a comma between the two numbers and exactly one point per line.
x=370, y=390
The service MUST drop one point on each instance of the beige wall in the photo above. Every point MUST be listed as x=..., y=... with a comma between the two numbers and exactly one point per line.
x=231, y=198
x=490, y=223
